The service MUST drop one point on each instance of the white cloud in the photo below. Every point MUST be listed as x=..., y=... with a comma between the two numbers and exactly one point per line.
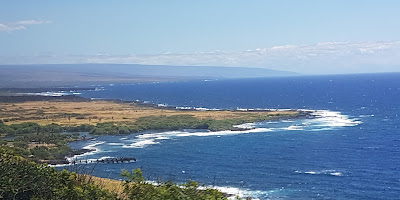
x=29, y=22
x=320, y=58
x=9, y=28
x=20, y=25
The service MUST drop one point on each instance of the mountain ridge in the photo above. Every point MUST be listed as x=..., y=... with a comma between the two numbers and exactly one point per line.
x=90, y=73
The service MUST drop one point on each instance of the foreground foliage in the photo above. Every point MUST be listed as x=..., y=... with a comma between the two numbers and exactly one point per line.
x=41, y=142
x=135, y=187
x=23, y=179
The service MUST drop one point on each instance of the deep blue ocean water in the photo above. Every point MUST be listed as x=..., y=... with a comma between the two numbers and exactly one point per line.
x=350, y=151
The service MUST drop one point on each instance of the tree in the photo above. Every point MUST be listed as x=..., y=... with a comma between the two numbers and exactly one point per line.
x=3, y=143
x=135, y=187
x=22, y=179
x=21, y=144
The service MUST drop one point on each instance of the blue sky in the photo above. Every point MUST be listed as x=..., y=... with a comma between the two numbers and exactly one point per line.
x=312, y=36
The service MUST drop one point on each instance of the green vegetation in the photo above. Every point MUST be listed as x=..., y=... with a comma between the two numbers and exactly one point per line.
x=23, y=179
x=40, y=143
x=177, y=122
x=20, y=178
x=109, y=128
x=135, y=187
x=28, y=128
x=174, y=122
x=49, y=142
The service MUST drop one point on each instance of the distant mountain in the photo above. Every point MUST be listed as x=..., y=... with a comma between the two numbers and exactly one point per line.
x=70, y=74
x=193, y=71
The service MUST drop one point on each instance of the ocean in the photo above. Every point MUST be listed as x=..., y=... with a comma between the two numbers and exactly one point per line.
x=351, y=150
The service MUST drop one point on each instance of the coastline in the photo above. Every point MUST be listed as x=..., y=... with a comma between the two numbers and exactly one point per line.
x=73, y=114
x=75, y=152
x=73, y=110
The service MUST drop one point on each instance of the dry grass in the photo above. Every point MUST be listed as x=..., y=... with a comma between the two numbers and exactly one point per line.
x=113, y=186
x=33, y=145
x=76, y=113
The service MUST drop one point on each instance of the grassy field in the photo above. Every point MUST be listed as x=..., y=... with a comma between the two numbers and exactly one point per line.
x=67, y=113
x=113, y=186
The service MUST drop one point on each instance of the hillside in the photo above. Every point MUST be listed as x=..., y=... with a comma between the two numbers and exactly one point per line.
x=53, y=75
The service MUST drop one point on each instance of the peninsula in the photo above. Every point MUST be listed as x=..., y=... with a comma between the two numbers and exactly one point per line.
x=135, y=116
x=42, y=127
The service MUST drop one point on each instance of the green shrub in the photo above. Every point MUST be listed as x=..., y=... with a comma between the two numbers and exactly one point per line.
x=3, y=143
x=135, y=187
x=22, y=179
x=21, y=144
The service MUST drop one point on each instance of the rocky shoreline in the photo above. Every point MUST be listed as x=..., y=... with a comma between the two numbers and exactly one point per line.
x=65, y=160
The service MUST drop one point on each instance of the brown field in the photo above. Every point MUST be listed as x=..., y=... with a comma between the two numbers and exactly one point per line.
x=33, y=145
x=92, y=112
x=114, y=186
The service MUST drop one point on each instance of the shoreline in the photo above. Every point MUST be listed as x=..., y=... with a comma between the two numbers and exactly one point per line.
x=75, y=152
x=196, y=131
x=128, y=117
x=72, y=110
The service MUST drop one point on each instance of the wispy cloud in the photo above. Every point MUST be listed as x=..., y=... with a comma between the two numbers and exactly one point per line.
x=20, y=25
x=320, y=58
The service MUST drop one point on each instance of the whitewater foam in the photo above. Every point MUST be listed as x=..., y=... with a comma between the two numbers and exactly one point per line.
x=322, y=120
x=243, y=193
x=245, y=126
x=294, y=128
x=321, y=172
x=91, y=146
x=144, y=140
x=332, y=119
x=140, y=144
x=115, y=144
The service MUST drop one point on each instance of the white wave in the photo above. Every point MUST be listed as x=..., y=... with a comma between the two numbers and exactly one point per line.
x=140, y=144
x=147, y=139
x=323, y=120
x=105, y=157
x=287, y=121
x=89, y=146
x=321, y=172
x=336, y=174
x=115, y=144
x=195, y=108
x=162, y=138
x=243, y=193
x=51, y=94
x=327, y=118
x=92, y=146
x=310, y=172
x=245, y=126
x=59, y=165
x=294, y=128
x=321, y=129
